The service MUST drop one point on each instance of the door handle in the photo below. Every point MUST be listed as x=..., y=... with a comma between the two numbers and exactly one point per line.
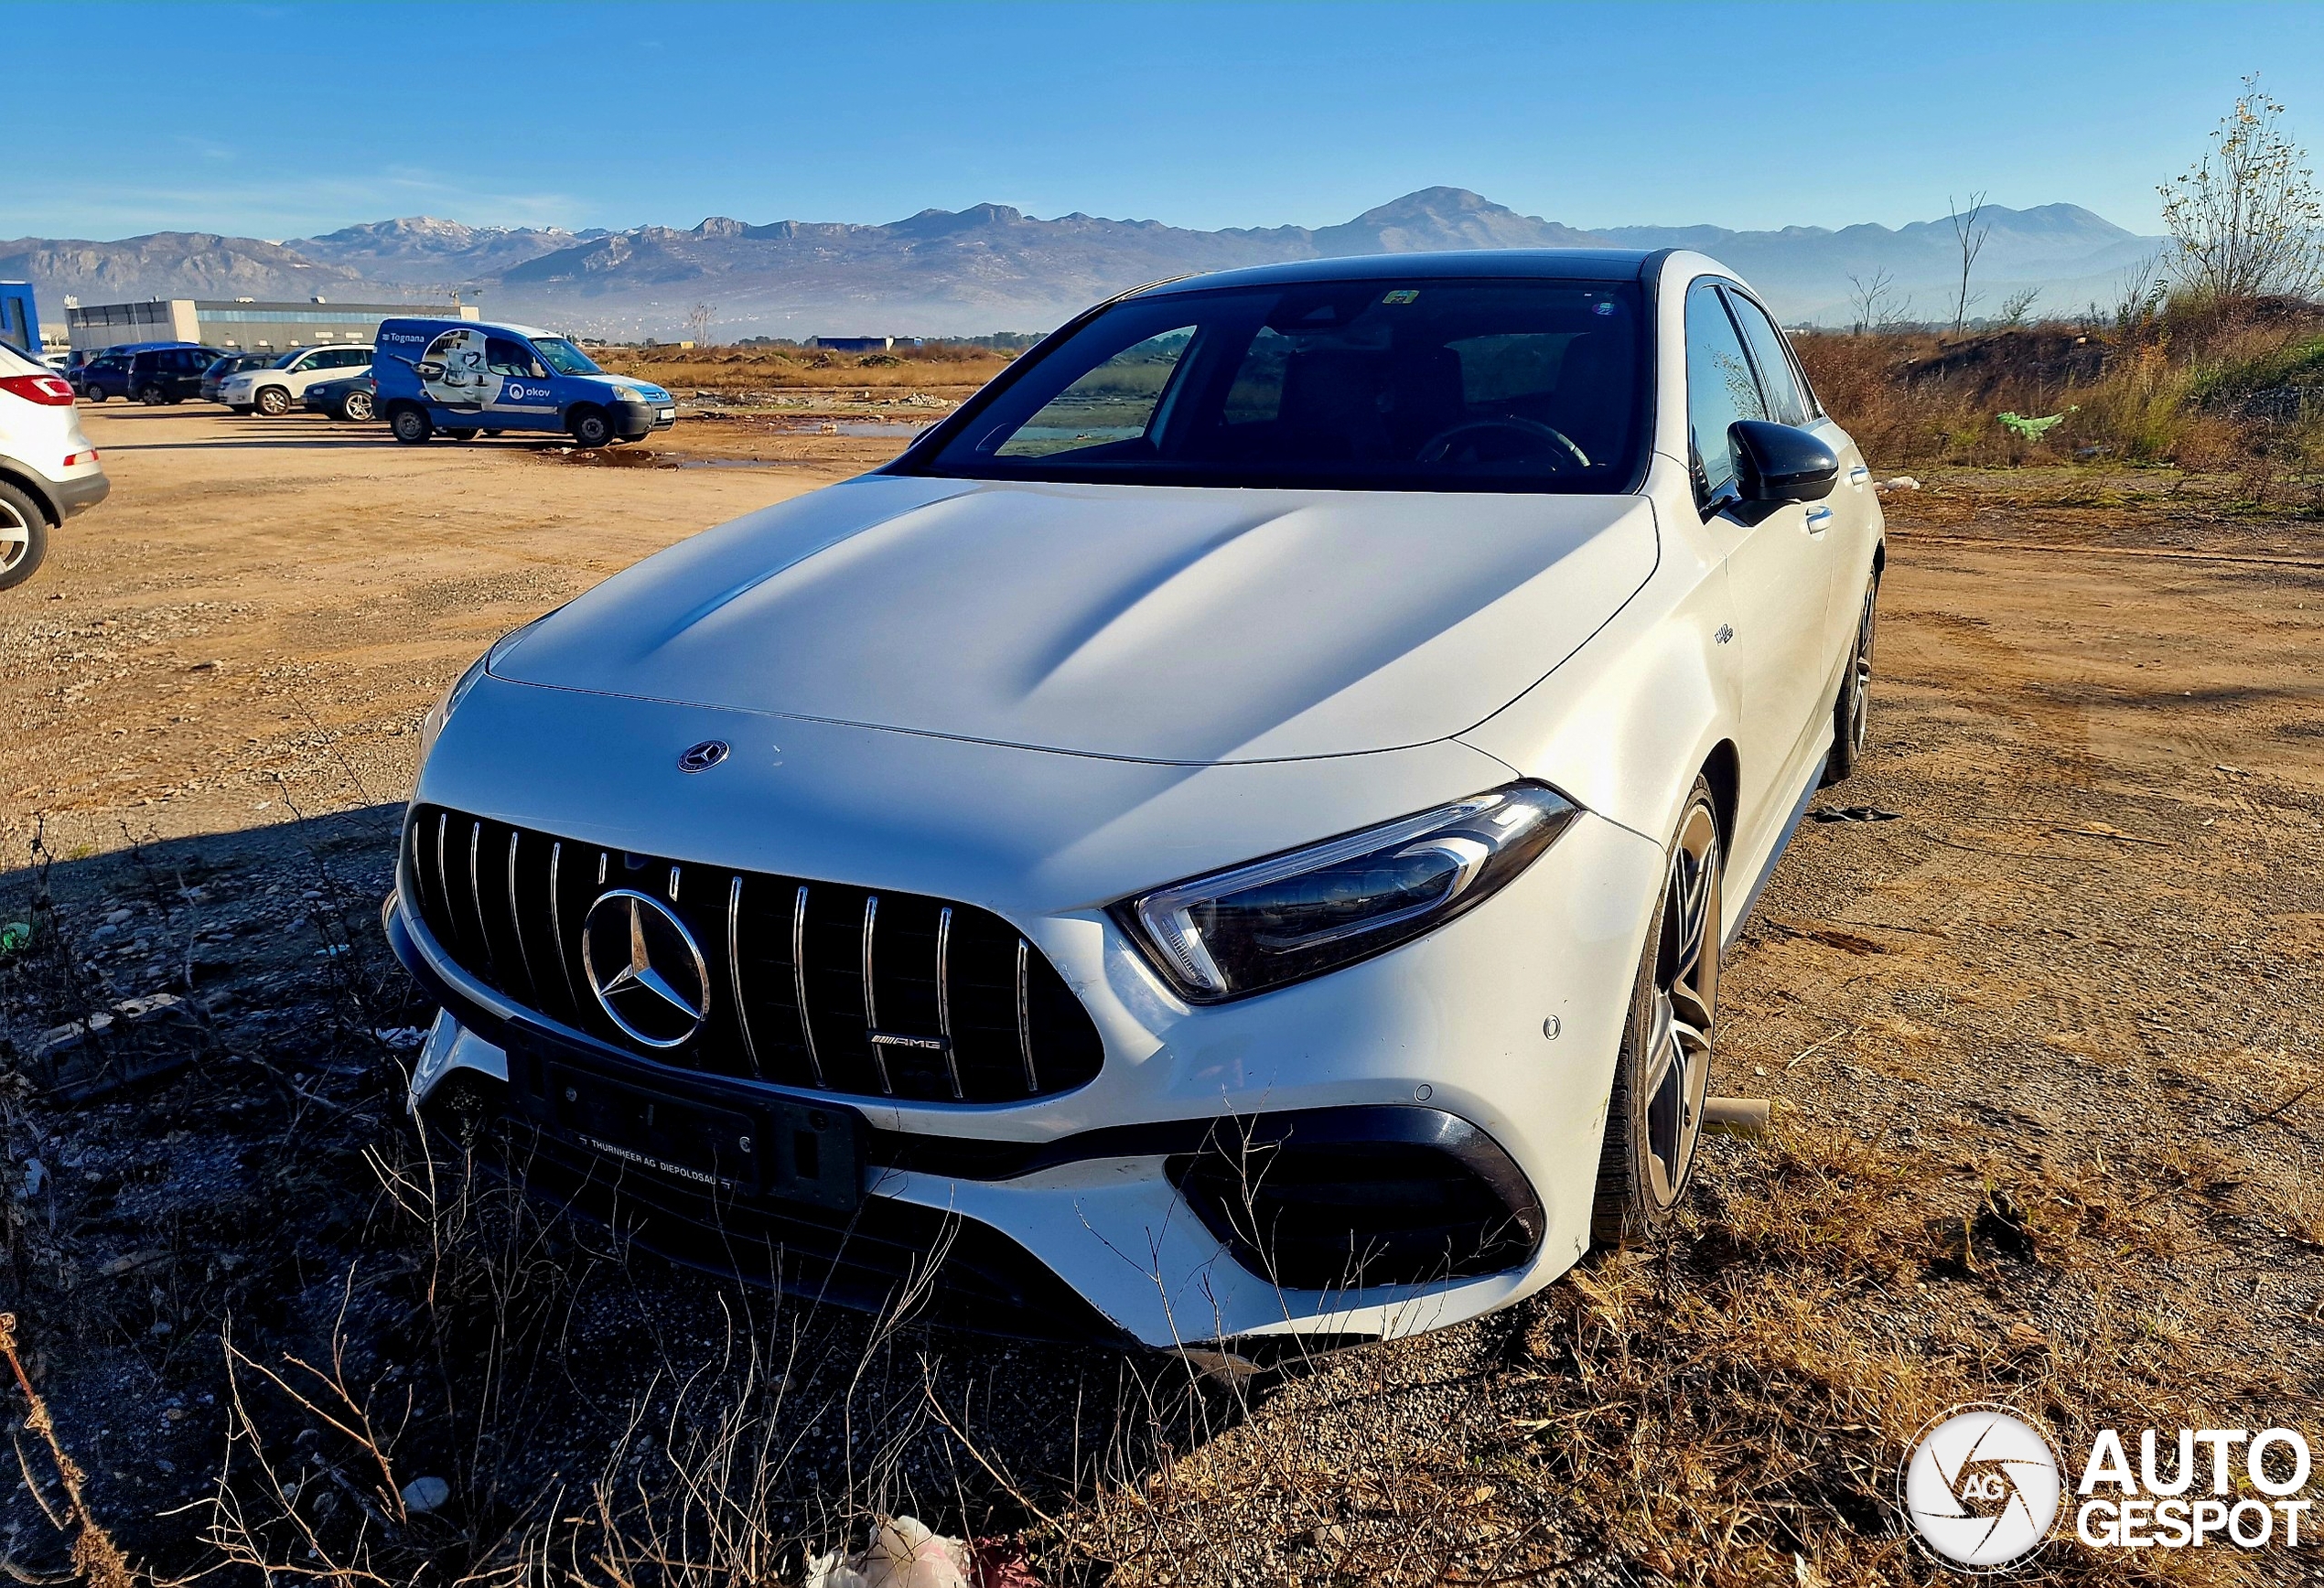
x=1858, y=475
x=1819, y=520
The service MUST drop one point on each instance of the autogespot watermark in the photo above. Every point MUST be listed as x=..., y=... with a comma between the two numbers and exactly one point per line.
x=1983, y=1489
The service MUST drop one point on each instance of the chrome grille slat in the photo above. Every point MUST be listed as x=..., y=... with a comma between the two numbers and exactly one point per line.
x=733, y=973
x=516, y=920
x=476, y=898
x=944, y=999
x=958, y=1007
x=556, y=924
x=419, y=870
x=799, y=984
x=443, y=869
x=871, y=999
x=1025, y=1016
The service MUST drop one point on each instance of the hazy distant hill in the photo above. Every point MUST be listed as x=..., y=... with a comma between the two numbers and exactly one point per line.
x=991, y=267
x=421, y=247
x=2069, y=253
x=167, y=264
x=988, y=267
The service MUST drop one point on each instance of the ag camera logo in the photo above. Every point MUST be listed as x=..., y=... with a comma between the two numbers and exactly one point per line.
x=1982, y=1488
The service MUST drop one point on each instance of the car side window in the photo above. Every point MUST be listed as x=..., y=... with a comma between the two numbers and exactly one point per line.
x=1784, y=402
x=1112, y=404
x=1720, y=388
x=504, y=356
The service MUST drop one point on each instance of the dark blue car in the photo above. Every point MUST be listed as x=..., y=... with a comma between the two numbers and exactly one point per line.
x=110, y=374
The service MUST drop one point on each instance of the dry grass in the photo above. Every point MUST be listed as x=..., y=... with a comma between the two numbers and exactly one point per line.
x=2238, y=390
x=948, y=370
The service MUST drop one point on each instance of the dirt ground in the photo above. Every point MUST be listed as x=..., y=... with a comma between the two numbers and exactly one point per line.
x=2037, y=996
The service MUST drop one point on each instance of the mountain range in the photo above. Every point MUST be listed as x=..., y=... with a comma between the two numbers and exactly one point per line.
x=991, y=267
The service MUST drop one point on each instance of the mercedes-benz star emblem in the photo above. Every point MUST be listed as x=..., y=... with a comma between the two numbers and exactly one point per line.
x=645, y=968
x=703, y=756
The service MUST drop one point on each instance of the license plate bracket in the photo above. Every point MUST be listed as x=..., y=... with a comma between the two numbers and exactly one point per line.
x=715, y=1139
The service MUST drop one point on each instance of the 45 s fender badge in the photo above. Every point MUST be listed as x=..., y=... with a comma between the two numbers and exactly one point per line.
x=703, y=756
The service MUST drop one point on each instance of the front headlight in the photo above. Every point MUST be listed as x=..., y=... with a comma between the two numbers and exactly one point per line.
x=432, y=724
x=1299, y=913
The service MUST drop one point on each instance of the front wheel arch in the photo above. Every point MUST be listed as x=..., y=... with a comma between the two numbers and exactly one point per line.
x=1662, y=1074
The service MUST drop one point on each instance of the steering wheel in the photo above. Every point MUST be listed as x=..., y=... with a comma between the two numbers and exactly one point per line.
x=1437, y=447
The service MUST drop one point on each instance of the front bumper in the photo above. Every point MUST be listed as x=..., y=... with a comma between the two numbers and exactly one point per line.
x=1452, y=1023
x=634, y=420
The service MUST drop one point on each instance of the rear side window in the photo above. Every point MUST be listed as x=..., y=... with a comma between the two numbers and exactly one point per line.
x=504, y=356
x=1785, y=404
x=1720, y=388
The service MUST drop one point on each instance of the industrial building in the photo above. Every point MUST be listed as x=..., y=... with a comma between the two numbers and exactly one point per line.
x=241, y=325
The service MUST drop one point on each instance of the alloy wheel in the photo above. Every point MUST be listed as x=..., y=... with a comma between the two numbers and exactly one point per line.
x=1860, y=702
x=16, y=538
x=1677, y=1070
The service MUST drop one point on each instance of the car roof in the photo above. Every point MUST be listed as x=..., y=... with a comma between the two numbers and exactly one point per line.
x=482, y=326
x=1484, y=263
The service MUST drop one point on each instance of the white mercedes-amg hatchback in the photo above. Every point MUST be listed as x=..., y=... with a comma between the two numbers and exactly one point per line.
x=1230, y=836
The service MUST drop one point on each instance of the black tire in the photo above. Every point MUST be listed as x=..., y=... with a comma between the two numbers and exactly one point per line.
x=1852, y=712
x=153, y=397
x=466, y=432
x=24, y=536
x=93, y=394
x=272, y=401
x=590, y=426
x=358, y=409
x=1654, y=1112
x=411, y=426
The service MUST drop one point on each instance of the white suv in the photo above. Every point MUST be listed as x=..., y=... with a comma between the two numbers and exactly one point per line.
x=277, y=389
x=48, y=469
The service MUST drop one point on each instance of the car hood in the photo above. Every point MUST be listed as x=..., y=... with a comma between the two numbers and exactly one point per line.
x=1154, y=623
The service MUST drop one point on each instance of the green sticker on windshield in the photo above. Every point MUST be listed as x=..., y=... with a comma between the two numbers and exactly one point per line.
x=1403, y=295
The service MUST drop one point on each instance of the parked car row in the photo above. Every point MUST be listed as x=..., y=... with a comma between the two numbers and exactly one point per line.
x=456, y=377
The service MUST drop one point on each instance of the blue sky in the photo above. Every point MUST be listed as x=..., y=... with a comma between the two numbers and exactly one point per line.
x=615, y=115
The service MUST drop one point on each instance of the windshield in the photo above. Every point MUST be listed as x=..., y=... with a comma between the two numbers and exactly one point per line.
x=1373, y=385
x=288, y=360
x=563, y=357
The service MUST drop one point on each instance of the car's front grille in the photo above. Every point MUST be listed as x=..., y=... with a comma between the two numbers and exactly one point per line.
x=806, y=983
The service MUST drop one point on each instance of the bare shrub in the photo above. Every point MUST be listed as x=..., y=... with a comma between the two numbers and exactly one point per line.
x=2243, y=219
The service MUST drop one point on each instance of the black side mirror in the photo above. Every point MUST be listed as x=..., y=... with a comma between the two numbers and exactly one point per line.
x=1780, y=463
